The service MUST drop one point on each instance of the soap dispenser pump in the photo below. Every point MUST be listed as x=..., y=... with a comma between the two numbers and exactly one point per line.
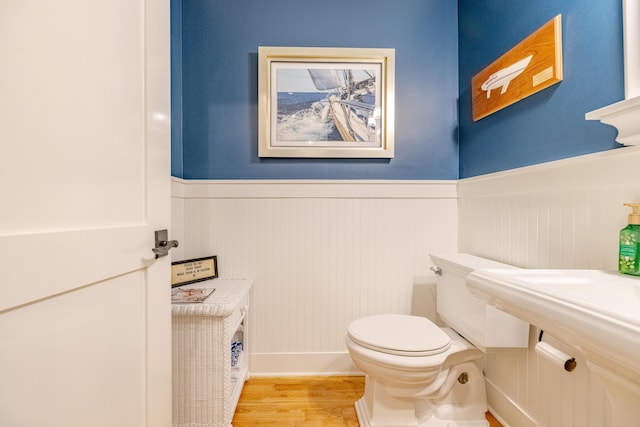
x=629, y=257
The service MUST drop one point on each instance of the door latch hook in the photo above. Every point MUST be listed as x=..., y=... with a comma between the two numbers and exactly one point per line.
x=163, y=245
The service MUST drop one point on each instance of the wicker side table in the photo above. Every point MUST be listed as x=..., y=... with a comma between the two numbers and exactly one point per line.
x=206, y=387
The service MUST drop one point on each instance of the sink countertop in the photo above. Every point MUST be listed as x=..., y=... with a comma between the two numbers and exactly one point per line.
x=596, y=311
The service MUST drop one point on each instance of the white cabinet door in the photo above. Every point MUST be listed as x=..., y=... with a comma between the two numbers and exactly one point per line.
x=84, y=182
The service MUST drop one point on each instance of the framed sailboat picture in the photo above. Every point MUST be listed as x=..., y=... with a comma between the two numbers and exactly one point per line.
x=326, y=102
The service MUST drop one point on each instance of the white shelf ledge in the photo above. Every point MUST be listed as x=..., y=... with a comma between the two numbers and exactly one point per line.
x=624, y=116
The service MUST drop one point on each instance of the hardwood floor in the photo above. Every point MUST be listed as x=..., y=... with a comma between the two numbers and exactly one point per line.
x=302, y=401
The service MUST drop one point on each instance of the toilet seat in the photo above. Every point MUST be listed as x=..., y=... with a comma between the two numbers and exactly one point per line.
x=399, y=334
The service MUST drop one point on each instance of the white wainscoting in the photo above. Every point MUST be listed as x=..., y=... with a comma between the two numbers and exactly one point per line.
x=564, y=214
x=321, y=254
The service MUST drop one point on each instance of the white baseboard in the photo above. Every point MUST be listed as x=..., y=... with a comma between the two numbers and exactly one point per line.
x=505, y=410
x=301, y=364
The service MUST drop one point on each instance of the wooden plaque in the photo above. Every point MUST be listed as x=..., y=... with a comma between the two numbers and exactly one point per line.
x=532, y=65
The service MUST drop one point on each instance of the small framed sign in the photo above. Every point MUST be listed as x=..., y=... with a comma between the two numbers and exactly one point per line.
x=193, y=270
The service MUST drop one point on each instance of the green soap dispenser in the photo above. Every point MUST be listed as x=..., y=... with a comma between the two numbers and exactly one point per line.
x=629, y=258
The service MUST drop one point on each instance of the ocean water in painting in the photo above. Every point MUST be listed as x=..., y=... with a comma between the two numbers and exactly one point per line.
x=300, y=117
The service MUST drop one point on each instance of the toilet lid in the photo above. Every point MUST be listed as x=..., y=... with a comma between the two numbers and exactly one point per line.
x=399, y=334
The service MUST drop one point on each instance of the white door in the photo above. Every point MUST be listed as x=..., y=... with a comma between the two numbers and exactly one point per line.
x=84, y=181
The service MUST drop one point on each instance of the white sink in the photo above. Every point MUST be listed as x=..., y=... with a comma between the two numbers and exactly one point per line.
x=595, y=311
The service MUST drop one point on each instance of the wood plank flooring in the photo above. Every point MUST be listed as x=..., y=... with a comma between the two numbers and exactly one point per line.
x=302, y=401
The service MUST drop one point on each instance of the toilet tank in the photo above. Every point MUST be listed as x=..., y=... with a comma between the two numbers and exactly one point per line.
x=482, y=324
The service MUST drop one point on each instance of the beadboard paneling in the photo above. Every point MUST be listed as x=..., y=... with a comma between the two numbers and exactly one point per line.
x=564, y=214
x=321, y=254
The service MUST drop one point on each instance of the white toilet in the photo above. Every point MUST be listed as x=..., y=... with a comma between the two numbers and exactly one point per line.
x=418, y=374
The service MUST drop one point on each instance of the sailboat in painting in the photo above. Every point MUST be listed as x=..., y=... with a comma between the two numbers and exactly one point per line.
x=350, y=102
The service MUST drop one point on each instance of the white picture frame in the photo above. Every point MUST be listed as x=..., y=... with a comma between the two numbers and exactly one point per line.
x=326, y=102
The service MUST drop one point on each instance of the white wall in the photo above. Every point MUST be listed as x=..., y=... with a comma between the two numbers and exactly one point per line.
x=321, y=254
x=324, y=253
x=564, y=214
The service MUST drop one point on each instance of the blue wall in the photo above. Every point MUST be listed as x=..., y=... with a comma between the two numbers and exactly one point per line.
x=548, y=125
x=215, y=90
x=176, y=89
x=214, y=84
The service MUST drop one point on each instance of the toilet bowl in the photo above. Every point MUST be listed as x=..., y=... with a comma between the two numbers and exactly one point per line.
x=422, y=375
x=437, y=367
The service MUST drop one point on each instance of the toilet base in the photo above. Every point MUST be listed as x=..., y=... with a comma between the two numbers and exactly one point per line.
x=454, y=404
x=378, y=408
x=364, y=420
